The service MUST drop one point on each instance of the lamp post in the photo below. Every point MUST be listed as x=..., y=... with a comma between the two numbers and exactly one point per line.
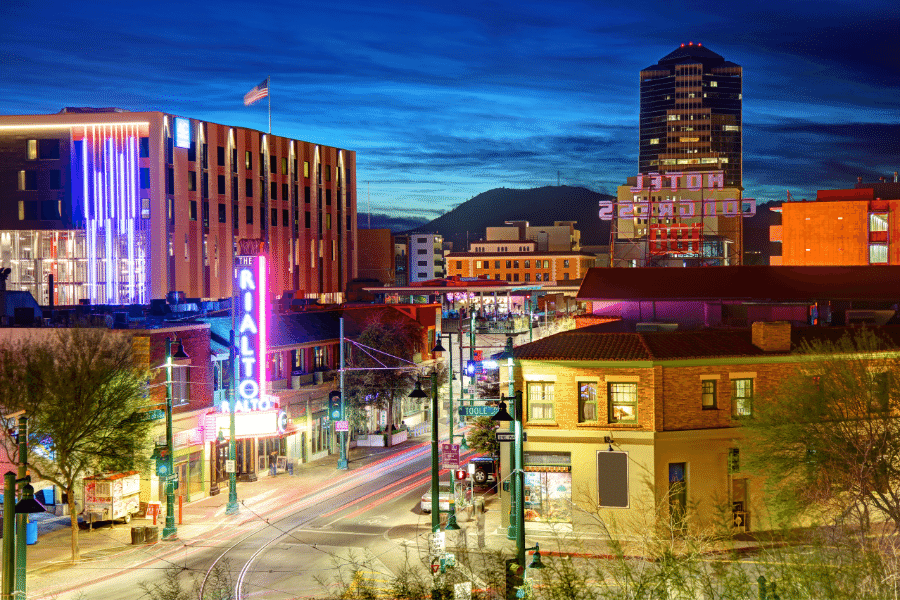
x=232, y=508
x=169, y=532
x=515, y=419
x=517, y=507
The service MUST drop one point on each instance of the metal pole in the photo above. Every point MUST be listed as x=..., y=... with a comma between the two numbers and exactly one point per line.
x=9, y=534
x=515, y=499
x=21, y=519
x=233, y=507
x=520, y=481
x=342, y=460
x=450, y=381
x=435, y=500
x=169, y=532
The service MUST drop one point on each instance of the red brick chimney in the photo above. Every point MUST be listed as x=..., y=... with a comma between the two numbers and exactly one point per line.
x=772, y=336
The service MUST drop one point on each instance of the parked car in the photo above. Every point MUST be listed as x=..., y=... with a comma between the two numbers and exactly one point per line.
x=445, y=488
x=487, y=470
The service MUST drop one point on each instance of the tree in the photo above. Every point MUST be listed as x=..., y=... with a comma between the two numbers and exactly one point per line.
x=483, y=436
x=827, y=440
x=380, y=363
x=82, y=393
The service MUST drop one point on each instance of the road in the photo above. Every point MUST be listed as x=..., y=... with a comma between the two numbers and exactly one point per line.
x=292, y=541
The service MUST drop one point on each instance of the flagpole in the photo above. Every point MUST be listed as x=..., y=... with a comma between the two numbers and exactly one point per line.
x=269, y=96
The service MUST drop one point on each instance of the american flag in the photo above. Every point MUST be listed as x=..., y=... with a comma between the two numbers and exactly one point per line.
x=257, y=93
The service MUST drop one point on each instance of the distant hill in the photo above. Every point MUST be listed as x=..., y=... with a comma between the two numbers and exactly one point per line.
x=538, y=206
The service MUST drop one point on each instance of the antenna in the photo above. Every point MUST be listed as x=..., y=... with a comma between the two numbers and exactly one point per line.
x=369, y=202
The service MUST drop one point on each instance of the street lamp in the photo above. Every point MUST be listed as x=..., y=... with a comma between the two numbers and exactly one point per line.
x=508, y=356
x=435, y=501
x=169, y=531
x=517, y=507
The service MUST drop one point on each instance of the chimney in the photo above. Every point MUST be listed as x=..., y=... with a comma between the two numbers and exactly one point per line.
x=772, y=336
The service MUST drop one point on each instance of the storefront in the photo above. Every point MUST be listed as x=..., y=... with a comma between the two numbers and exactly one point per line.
x=261, y=437
x=548, y=487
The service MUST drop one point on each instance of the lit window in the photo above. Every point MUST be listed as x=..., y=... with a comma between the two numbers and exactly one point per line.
x=742, y=397
x=732, y=128
x=540, y=401
x=654, y=141
x=622, y=402
x=32, y=149
x=713, y=84
x=878, y=222
x=587, y=402
x=708, y=393
x=878, y=254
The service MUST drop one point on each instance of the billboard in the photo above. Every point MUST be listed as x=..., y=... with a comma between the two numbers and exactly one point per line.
x=250, y=312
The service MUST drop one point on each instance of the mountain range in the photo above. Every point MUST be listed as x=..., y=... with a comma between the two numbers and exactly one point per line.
x=539, y=206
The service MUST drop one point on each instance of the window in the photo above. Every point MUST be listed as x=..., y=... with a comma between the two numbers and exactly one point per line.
x=145, y=208
x=478, y=264
x=509, y=264
x=566, y=263
x=878, y=222
x=328, y=221
x=496, y=264
x=222, y=213
x=327, y=172
x=540, y=401
x=145, y=178
x=422, y=251
x=27, y=180
x=587, y=402
x=713, y=84
x=249, y=186
x=273, y=165
x=193, y=210
x=221, y=184
x=274, y=221
x=527, y=264
x=878, y=254
x=220, y=156
x=48, y=149
x=248, y=160
x=31, y=149
x=654, y=141
x=421, y=275
x=192, y=181
x=55, y=179
x=708, y=393
x=285, y=217
x=283, y=165
x=306, y=169
x=249, y=215
x=734, y=460
x=234, y=216
x=546, y=265
x=307, y=221
x=205, y=215
x=742, y=397
x=527, y=276
x=284, y=191
x=273, y=190
x=732, y=128
x=459, y=264
x=622, y=402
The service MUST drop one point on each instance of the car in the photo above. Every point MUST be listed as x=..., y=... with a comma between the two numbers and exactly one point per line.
x=463, y=496
x=487, y=470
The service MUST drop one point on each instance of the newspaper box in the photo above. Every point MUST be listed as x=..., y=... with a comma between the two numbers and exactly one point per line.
x=112, y=496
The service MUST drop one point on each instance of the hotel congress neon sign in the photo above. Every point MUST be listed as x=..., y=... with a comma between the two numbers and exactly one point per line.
x=694, y=182
x=250, y=287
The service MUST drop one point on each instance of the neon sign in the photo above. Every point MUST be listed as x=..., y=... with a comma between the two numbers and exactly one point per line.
x=251, y=333
x=684, y=208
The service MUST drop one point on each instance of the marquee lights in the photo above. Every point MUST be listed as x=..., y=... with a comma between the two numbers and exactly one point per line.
x=686, y=208
x=250, y=321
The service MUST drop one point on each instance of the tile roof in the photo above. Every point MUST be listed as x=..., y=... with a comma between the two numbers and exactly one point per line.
x=595, y=344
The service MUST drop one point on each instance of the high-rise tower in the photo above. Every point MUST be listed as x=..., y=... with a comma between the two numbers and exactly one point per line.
x=691, y=114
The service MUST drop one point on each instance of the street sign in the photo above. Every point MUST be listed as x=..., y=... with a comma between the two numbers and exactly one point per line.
x=229, y=466
x=450, y=456
x=472, y=390
x=477, y=411
x=151, y=415
x=510, y=436
x=438, y=543
x=172, y=477
x=342, y=425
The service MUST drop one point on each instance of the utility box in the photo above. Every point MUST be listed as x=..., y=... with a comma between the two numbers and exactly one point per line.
x=112, y=496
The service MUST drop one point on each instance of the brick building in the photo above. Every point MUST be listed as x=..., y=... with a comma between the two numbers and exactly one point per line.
x=615, y=421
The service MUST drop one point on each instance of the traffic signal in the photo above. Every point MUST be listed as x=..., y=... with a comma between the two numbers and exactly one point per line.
x=161, y=456
x=334, y=406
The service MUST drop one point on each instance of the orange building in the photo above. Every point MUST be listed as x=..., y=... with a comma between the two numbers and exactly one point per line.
x=519, y=261
x=841, y=227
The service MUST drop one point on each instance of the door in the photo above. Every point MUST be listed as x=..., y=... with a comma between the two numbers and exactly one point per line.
x=677, y=493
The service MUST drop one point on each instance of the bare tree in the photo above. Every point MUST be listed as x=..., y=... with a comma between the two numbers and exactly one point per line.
x=82, y=393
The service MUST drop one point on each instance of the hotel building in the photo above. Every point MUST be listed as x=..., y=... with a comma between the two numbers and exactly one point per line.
x=122, y=207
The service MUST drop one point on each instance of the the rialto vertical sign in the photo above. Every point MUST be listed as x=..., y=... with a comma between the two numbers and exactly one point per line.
x=250, y=311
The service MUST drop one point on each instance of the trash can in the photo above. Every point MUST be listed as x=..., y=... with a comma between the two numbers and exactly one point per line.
x=290, y=467
x=151, y=534
x=137, y=534
x=31, y=533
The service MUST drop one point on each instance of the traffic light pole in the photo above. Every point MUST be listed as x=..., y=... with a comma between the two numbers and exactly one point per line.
x=342, y=460
x=233, y=507
x=169, y=532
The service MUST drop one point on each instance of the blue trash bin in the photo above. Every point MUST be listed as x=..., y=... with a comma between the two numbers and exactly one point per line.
x=31, y=533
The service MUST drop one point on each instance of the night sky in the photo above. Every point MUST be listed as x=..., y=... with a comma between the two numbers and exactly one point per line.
x=444, y=100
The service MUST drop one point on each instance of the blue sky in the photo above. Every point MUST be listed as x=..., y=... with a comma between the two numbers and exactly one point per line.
x=444, y=100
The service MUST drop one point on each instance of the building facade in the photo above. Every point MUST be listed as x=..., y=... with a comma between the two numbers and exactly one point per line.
x=507, y=262
x=426, y=257
x=690, y=120
x=122, y=207
x=857, y=226
x=559, y=237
